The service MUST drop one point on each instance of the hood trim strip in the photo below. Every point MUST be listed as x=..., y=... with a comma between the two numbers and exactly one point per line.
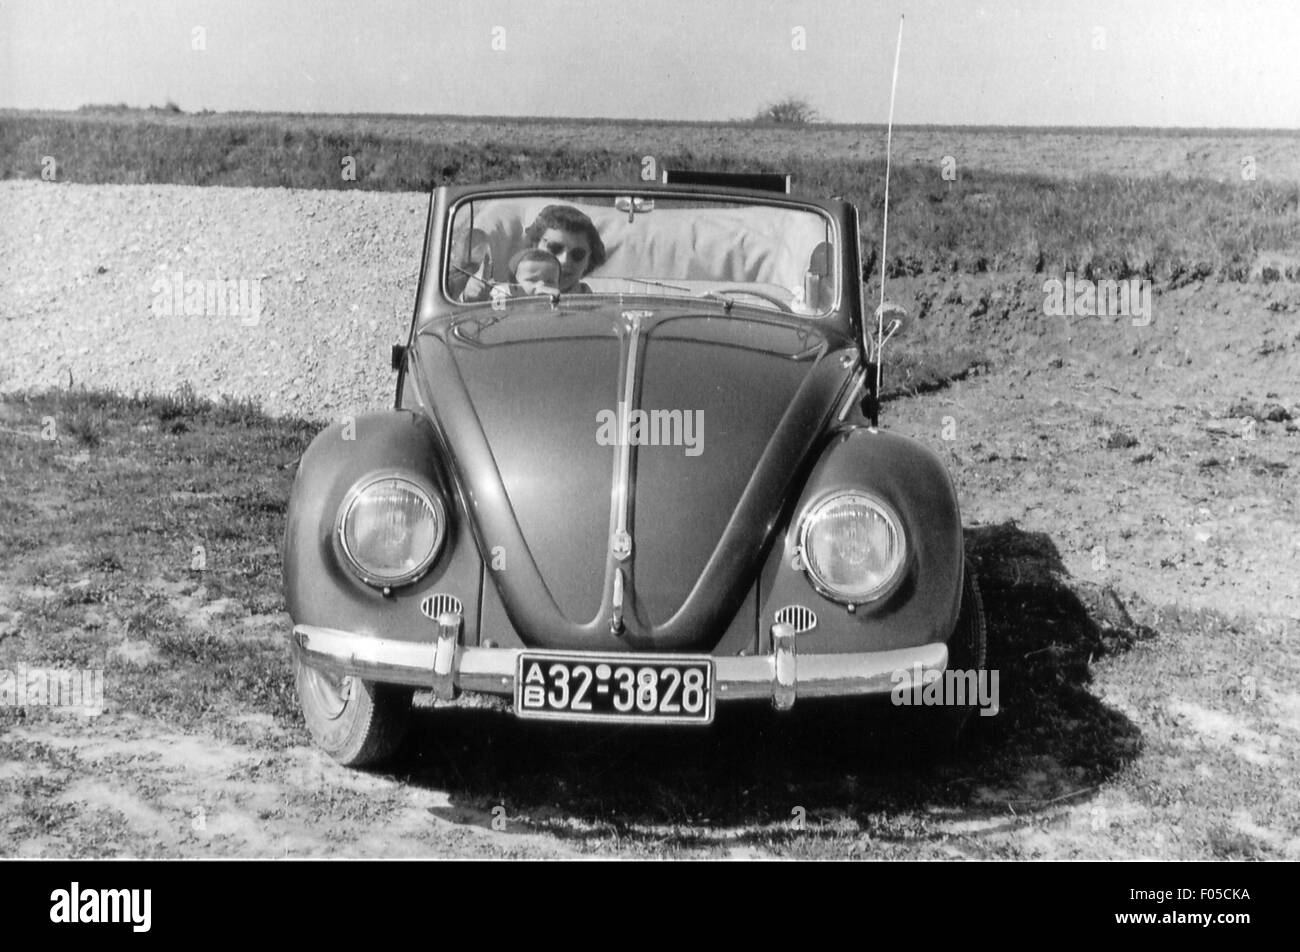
x=620, y=540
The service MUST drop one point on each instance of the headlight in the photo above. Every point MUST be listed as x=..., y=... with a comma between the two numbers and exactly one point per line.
x=390, y=529
x=853, y=547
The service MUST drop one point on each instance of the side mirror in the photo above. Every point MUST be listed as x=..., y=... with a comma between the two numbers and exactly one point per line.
x=894, y=318
x=398, y=356
x=894, y=314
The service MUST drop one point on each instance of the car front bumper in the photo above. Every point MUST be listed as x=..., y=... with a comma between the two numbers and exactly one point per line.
x=446, y=667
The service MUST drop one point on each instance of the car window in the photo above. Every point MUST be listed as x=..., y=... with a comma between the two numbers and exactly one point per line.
x=773, y=256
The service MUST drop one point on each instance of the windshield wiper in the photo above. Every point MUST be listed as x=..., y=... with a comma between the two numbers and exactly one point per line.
x=657, y=284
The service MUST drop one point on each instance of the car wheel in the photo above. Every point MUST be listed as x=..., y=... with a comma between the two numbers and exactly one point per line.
x=938, y=729
x=969, y=646
x=358, y=723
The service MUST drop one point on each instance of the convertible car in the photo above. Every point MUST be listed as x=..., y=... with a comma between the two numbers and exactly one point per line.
x=659, y=490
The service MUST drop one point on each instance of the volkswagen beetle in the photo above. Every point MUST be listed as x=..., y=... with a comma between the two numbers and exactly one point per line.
x=633, y=472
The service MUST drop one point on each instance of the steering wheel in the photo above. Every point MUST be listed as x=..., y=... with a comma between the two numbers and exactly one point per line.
x=762, y=295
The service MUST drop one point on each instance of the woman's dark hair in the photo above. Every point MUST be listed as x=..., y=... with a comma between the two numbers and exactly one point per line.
x=568, y=218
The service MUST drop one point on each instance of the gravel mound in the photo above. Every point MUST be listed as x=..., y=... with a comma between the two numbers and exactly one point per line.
x=87, y=274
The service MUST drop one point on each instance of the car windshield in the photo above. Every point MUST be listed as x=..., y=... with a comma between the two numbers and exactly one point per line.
x=761, y=255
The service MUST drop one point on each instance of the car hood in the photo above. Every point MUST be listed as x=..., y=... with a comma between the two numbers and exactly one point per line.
x=624, y=468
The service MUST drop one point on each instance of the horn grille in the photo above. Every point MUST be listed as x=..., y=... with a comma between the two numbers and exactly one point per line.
x=435, y=605
x=797, y=616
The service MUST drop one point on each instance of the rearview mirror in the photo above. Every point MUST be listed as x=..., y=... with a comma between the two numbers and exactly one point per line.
x=634, y=205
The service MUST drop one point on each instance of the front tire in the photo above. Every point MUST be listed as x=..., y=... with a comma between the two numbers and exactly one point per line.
x=969, y=645
x=938, y=729
x=358, y=723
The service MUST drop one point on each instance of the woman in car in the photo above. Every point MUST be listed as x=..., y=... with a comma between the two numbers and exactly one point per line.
x=572, y=237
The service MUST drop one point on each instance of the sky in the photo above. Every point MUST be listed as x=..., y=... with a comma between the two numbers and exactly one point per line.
x=1225, y=63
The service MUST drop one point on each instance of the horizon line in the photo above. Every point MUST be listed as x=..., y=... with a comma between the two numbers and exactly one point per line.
x=174, y=110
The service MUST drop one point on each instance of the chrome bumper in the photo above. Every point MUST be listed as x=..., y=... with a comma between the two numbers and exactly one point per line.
x=446, y=667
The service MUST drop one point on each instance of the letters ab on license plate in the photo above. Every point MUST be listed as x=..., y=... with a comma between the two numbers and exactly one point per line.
x=646, y=689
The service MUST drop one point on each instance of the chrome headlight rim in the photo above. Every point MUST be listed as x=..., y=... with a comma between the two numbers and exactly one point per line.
x=884, y=589
x=423, y=488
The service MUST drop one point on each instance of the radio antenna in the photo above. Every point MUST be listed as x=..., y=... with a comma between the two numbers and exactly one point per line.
x=884, y=236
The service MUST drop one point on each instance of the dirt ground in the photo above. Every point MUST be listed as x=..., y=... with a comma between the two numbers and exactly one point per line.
x=1130, y=499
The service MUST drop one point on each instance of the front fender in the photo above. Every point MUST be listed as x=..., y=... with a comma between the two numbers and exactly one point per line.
x=925, y=605
x=319, y=588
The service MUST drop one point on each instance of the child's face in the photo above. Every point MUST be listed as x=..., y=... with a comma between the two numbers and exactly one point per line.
x=538, y=277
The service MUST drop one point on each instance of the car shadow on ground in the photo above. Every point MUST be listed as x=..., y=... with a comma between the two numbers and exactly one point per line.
x=849, y=761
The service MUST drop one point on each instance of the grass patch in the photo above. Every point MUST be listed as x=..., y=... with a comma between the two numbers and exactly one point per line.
x=1171, y=230
x=148, y=521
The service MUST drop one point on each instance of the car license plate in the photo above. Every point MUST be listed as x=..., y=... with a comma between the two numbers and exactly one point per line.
x=646, y=689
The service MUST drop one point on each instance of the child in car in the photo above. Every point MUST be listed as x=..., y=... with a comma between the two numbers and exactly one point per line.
x=534, y=271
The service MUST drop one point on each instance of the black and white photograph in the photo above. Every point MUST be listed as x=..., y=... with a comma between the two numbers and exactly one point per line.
x=695, y=431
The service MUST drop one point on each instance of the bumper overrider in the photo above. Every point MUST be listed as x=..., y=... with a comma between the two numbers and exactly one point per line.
x=446, y=667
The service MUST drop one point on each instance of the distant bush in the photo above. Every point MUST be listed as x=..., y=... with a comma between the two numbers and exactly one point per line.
x=790, y=111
